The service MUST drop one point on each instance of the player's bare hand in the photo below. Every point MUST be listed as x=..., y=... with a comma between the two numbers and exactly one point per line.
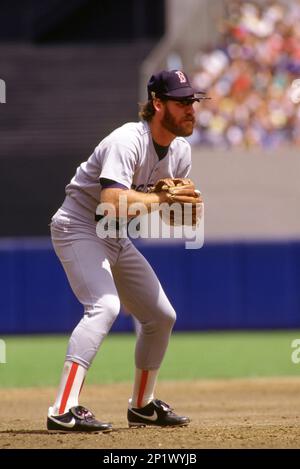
x=184, y=194
x=180, y=190
x=183, y=198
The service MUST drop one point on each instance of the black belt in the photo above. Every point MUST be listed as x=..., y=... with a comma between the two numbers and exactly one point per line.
x=100, y=217
x=113, y=220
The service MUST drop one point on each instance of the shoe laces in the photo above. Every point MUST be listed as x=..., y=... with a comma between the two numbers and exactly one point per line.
x=85, y=413
x=165, y=406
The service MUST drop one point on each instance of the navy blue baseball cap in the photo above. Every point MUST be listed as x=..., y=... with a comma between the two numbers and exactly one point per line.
x=172, y=84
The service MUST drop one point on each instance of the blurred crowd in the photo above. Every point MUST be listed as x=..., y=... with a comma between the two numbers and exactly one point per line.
x=249, y=75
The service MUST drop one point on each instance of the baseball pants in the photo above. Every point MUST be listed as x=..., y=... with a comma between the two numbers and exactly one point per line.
x=104, y=273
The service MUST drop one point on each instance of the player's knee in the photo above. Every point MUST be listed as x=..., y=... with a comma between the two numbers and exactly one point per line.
x=108, y=308
x=112, y=307
x=168, y=319
x=161, y=323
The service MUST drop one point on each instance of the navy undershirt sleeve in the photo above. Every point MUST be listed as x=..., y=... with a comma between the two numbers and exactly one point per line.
x=109, y=183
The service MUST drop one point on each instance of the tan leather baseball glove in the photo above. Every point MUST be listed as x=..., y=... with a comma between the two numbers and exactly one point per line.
x=183, y=198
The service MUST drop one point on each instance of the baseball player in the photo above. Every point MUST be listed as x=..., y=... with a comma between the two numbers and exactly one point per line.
x=106, y=272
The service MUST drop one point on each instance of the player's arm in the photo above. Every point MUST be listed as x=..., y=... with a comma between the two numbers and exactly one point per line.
x=114, y=195
x=165, y=190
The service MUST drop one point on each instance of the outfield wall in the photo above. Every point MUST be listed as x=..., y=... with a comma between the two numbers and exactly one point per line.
x=221, y=286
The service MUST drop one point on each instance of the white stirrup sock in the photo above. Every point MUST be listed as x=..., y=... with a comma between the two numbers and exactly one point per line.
x=69, y=389
x=143, y=389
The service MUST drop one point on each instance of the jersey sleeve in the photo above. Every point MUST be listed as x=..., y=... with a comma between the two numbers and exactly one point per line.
x=185, y=163
x=118, y=164
x=184, y=172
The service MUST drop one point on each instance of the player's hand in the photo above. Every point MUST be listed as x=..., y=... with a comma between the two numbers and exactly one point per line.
x=180, y=190
x=186, y=194
x=166, y=183
x=188, y=215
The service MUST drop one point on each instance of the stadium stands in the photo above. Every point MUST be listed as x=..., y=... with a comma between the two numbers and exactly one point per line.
x=249, y=77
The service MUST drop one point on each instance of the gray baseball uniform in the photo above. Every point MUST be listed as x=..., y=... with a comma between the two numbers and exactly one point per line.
x=106, y=272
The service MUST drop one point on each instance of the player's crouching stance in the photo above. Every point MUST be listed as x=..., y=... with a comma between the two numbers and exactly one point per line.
x=105, y=273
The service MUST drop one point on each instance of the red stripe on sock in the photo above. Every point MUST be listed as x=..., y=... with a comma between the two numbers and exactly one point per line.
x=68, y=387
x=144, y=378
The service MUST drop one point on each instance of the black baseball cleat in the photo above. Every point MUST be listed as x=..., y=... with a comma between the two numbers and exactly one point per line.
x=155, y=413
x=77, y=419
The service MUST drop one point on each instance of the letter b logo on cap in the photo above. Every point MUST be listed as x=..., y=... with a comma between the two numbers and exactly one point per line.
x=181, y=76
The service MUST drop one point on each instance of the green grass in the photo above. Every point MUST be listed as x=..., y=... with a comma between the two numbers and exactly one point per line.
x=37, y=360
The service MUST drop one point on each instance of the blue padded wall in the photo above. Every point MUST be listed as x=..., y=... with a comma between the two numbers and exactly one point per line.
x=221, y=286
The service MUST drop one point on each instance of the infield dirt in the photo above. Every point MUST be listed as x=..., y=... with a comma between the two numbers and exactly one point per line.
x=244, y=413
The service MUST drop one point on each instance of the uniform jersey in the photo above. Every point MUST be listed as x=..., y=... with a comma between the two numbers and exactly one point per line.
x=126, y=156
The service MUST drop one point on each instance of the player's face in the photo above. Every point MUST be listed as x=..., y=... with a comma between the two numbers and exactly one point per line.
x=178, y=118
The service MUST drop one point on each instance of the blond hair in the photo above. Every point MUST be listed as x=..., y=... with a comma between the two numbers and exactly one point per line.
x=147, y=111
